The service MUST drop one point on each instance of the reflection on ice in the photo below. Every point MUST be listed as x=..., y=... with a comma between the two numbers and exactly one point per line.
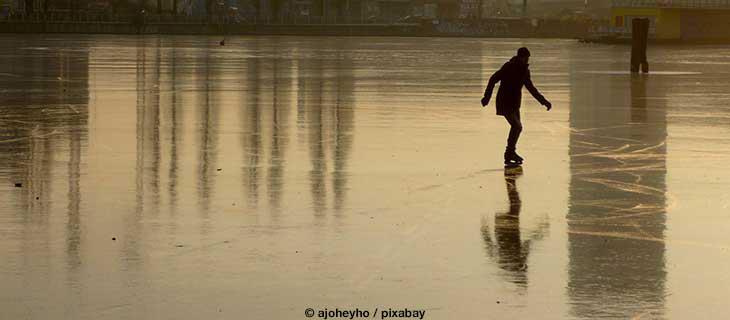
x=172, y=177
x=653, y=72
x=507, y=246
x=617, y=207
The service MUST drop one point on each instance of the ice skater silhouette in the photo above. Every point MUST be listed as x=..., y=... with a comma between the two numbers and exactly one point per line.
x=512, y=77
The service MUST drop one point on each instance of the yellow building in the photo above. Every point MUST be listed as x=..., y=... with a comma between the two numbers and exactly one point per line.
x=663, y=23
x=675, y=19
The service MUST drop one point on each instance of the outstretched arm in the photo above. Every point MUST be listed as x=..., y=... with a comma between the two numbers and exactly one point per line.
x=496, y=77
x=536, y=94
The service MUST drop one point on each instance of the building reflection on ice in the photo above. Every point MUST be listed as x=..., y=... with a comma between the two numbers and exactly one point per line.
x=616, y=218
x=44, y=127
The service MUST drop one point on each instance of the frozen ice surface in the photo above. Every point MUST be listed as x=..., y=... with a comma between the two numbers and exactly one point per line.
x=173, y=178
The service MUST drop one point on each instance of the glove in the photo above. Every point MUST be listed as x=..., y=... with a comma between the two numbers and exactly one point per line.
x=548, y=105
x=485, y=101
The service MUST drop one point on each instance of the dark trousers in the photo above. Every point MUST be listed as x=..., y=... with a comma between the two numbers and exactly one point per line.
x=514, y=131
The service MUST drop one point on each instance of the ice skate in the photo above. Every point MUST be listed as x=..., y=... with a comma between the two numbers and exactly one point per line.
x=511, y=159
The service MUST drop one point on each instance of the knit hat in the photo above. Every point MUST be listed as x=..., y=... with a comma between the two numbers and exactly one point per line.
x=523, y=52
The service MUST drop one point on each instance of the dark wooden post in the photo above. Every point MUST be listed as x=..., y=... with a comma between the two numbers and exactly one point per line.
x=640, y=38
x=524, y=8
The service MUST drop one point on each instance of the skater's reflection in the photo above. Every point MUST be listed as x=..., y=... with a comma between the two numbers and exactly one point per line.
x=508, y=248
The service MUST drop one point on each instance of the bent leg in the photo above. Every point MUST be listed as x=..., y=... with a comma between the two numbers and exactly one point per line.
x=515, y=123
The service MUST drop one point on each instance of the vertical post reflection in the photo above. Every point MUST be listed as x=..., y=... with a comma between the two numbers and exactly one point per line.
x=154, y=124
x=208, y=136
x=251, y=136
x=617, y=218
x=77, y=127
x=44, y=108
x=76, y=70
x=279, y=135
x=147, y=169
x=174, y=134
x=148, y=129
x=314, y=118
x=325, y=118
x=140, y=126
x=344, y=120
x=326, y=109
x=73, y=226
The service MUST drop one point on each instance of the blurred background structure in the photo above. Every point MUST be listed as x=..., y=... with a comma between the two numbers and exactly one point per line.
x=597, y=20
x=418, y=17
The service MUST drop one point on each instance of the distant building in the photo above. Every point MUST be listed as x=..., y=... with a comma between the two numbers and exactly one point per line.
x=498, y=8
x=552, y=9
x=470, y=9
x=437, y=9
x=305, y=11
x=675, y=19
x=569, y=8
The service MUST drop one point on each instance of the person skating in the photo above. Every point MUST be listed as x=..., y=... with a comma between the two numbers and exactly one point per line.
x=512, y=77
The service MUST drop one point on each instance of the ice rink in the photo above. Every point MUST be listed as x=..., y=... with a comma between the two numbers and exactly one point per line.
x=174, y=178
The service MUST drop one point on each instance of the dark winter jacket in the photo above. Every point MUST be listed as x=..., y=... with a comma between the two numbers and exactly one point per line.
x=512, y=76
